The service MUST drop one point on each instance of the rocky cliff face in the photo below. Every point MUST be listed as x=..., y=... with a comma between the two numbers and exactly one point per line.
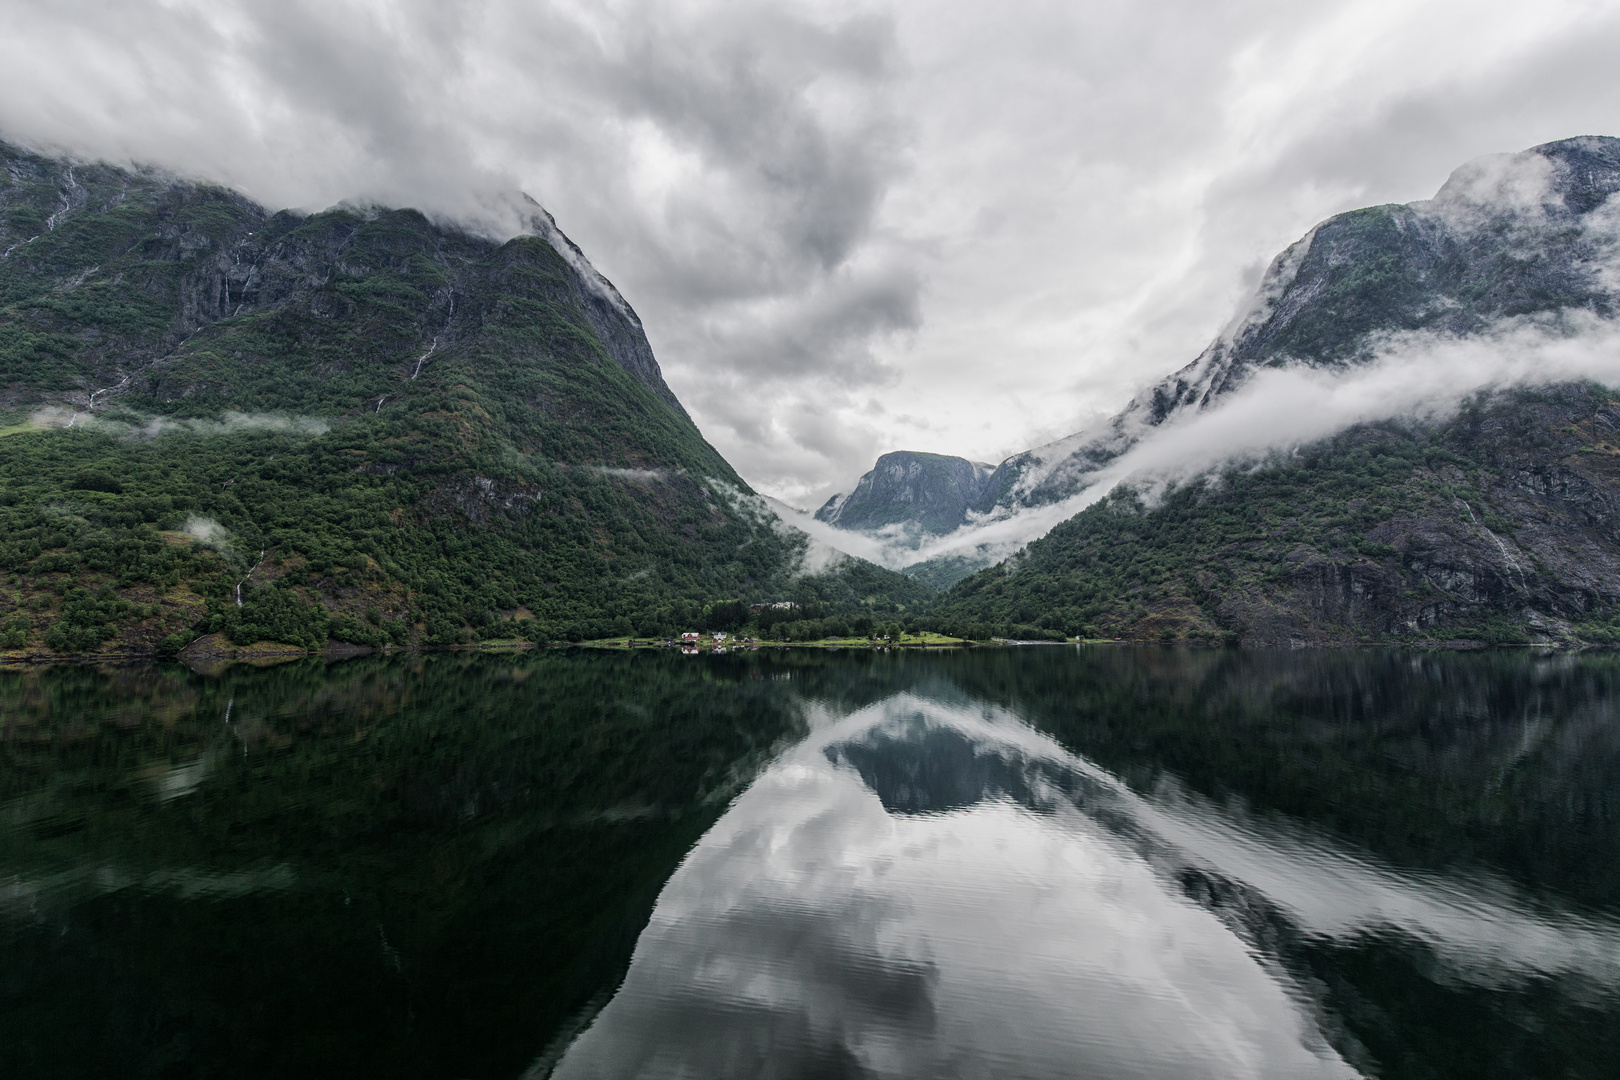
x=1511, y=235
x=109, y=275
x=930, y=492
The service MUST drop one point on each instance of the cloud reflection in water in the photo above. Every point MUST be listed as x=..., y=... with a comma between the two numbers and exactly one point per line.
x=922, y=889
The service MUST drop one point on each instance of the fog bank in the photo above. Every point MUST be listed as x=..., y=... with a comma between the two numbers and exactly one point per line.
x=1412, y=377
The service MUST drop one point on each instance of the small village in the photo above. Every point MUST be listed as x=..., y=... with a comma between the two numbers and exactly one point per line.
x=719, y=641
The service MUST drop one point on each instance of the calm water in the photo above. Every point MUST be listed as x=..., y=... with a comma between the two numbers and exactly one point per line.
x=1041, y=862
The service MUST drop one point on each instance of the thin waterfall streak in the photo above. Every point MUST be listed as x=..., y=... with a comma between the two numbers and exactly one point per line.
x=109, y=389
x=1509, y=559
x=435, y=343
x=249, y=575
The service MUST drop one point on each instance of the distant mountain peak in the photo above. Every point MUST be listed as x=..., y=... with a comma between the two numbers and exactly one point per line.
x=930, y=492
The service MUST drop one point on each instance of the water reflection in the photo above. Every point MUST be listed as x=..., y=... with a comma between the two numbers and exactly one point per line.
x=911, y=893
x=931, y=887
x=1054, y=862
x=412, y=867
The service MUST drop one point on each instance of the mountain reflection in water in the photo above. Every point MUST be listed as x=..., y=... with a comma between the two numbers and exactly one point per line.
x=1000, y=931
x=927, y=888
x=1008, y=863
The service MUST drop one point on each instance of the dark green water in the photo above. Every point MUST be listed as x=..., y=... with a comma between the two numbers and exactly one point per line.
x=1000, y=863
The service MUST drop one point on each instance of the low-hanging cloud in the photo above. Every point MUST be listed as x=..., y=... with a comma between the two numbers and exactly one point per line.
x=637, y=476
x=207, y=532
x=1416, y=377
x=849, y=226
x=229, y=423
x=825, y=546
x=1420, y=377
x=819, y=552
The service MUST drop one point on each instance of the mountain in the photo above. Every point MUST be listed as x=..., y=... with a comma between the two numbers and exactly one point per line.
x=1506, y=236
x=358, y=424
x=1509, y=235
x=1494, y=522
x=1501, y=525
x=930, y=492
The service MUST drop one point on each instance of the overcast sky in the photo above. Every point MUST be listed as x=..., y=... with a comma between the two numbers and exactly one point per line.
x=848, y=227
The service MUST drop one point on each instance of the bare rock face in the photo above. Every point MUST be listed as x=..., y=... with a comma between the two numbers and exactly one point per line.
x=928, y=492
x=1528, y=538
x=173, y=258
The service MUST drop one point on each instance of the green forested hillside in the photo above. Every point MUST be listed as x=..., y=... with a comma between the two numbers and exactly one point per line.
x=1498, y=525
x=356, y=424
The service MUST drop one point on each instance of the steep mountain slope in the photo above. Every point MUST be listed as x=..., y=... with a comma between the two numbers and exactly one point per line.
x=357, y=423
x=1495, y=523
x=1501, y=524
x=928, y=491
x=1507, y=236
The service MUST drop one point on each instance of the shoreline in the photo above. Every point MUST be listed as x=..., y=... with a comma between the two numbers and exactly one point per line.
x=273, y=652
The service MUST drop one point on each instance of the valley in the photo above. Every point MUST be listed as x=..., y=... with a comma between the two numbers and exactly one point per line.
x=228, y=428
